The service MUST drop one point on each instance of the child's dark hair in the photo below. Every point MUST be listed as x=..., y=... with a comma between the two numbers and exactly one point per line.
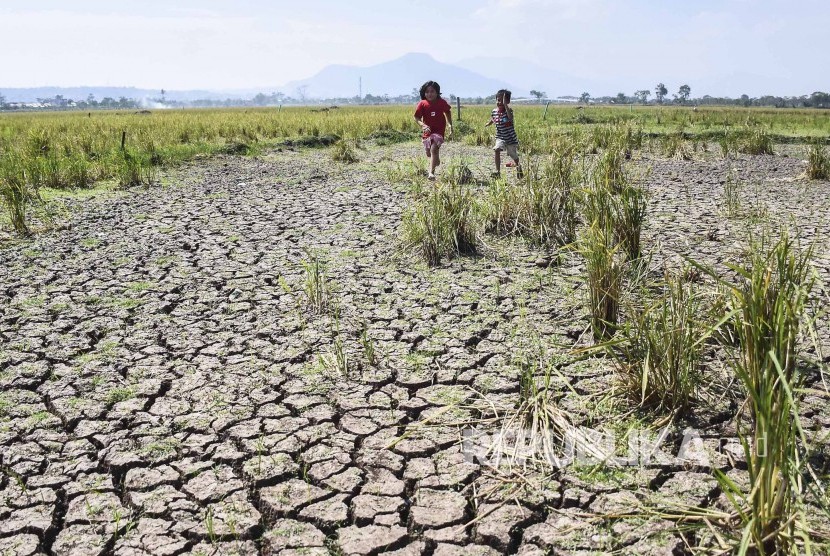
x=428, y=84
x=507, y=94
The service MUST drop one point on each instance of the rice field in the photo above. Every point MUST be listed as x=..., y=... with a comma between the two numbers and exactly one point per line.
x=265, y=332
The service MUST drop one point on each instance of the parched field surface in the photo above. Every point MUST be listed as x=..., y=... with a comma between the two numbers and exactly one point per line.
x=167, y=390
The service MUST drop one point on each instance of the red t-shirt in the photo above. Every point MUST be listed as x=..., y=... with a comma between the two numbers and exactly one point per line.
x=433, y=114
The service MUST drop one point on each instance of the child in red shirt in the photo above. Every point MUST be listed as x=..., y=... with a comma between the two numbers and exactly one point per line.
x=433, y=114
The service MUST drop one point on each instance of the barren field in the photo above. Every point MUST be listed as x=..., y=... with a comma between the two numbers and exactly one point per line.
x=165, y=388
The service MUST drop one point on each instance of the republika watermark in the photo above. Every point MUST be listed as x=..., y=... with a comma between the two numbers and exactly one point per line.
x=583, y=446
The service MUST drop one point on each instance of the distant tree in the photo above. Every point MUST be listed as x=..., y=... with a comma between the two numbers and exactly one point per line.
x=162, y=95
x=660, y=92
x=2, y=101
x=642, y=95
x=90, y=100
x=302, y=92
x=683, y=94
x=820, y=99
x=538, y=94
x=620, y=98
x=745, y=100
x=584, y=98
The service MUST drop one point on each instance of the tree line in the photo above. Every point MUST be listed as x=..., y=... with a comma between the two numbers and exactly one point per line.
x=817, y=99
x=683, y=96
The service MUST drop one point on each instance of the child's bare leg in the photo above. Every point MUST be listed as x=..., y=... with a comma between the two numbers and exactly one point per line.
x=519, y=172
x=498, y=160
x=434, y=159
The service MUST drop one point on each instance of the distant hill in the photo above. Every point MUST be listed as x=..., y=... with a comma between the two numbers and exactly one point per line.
x=396, y=77
x=31, y=94
x=472, y=77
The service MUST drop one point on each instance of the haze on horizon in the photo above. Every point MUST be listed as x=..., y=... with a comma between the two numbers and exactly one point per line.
x=212, y=45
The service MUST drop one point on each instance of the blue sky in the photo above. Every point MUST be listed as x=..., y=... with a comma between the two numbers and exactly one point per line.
x=213, y=44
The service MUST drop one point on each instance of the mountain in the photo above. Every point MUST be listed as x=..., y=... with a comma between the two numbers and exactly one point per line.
x=396, y=77
x=527, y=76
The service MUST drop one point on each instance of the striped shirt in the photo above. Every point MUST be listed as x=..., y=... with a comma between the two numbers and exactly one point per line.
x=504, y=126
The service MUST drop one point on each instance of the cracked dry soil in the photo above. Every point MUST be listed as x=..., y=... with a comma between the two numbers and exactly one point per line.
x=165, y=389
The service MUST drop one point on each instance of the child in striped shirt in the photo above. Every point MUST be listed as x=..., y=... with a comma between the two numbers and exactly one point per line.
x=506, y=138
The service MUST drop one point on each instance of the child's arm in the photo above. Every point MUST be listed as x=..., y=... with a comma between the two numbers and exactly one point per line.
x=419, y=119
x=421, y=123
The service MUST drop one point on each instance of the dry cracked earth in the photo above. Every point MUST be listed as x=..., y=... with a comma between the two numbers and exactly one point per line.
x=166, y=389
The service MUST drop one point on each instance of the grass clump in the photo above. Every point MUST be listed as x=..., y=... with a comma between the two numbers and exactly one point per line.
x=383, y=137
x=16, y=192
x=768, y=314
x=537, y=432
x=344, y=151
x=458, y=172
x=238, y=148
x=731, y=196
x=135, y=168
x=442, y=223
x=660, y=349
x=604, y=272
x=631, y=208
x=316, y=286
x=312, y=141
x=541, y=206
x=757, y=141
x=818, y=162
